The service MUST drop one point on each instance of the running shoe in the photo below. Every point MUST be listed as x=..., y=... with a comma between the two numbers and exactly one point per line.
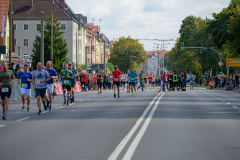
x=39, y=112
x=118, y=95
x=4, y=117
x=73, y=99
x=159, y=91
x=100, y=91
x=28, y=110
x=47, y=104
x=50, y=108
x=70, y=100
x=132, y=94
x=45, y=107
x=114, y=95
x=163, y=91
x=23, y=108
x=135, y=90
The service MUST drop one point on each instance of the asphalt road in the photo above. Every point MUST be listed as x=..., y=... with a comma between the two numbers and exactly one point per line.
x=197, y=124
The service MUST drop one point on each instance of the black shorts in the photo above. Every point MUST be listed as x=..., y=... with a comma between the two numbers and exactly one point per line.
x=100, y=84
x=124, y=83
x=5, y=94
x=69, y=88
x=83, y=84
x=40, y=92
x=127, y=82
x=73, y=84
x=116, y=83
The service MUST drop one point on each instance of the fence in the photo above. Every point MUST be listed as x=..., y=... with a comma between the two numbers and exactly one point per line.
x=16, y=90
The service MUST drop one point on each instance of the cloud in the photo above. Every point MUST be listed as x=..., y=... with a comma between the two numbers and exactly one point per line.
x=144, y=18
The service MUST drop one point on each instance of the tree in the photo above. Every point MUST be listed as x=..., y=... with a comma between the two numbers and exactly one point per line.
x=110, y=67
x=59, y=45
x=125, y=53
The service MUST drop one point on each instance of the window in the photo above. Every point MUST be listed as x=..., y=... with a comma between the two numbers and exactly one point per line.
x=25, y=27
x=38, y=27
x=15, y=27
x=63, y=26
x=25, y=56
x=25, y=42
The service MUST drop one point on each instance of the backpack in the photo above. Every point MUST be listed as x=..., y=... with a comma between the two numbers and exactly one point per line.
x=165, y=79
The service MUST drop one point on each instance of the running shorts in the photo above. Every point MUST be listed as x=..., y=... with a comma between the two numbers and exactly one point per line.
x=26, y=91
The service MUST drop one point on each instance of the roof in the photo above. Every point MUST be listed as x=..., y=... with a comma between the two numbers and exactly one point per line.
x=41, y=9
x=155, y=53
x=6, y=8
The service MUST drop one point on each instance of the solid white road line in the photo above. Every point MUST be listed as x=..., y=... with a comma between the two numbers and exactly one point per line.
x=2, y=125
x=125, y=140
x=228, y=103
x=133, y=146
x=234, y=107
x=22, y=119
x=71, y=104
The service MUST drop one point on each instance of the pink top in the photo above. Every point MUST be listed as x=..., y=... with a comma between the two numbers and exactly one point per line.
x=1, y=68
x=94, y=78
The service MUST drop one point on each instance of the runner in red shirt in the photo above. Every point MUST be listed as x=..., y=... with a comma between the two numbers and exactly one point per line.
x=116, y=80
x=150, y=80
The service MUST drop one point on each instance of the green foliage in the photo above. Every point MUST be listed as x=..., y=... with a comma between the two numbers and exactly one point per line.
x=222, y=33
x=110, y=67
x=59, y=45
x=125, y=53
x=81, y=66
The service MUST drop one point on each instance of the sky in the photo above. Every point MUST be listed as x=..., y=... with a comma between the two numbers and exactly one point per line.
x=144, y=19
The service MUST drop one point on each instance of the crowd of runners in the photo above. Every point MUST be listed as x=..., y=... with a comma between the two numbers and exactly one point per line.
x=43, y=82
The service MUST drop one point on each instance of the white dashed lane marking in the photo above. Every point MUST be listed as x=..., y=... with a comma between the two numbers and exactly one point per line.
x=23, y=119
x=2, y=125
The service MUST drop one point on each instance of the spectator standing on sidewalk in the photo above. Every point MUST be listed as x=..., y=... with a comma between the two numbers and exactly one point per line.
x=236, y=81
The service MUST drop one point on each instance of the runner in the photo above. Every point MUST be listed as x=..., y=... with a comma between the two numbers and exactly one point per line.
x=66, y=76
x=25, y=79
x=40, y=77
x=150, y=80
x=50, y=84
x=99, y=83
x=141, y=79
x=153, y=81
x=73, y=81
x=127, y=81
x=191, y=82
x=164, y=78
x=116, y=80
x=133, y=78
x=84, y=81
x=7, y=79
x=145, y=81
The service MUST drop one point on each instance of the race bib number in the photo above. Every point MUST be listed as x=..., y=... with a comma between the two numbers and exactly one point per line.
x=24, y=85
x=4, y=90
x=39, y=83
x=132, y=79
x=49, y=85
x=66, y=81
x=115, y=79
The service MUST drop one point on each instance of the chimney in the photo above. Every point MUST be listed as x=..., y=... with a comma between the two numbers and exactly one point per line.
x=61, y=4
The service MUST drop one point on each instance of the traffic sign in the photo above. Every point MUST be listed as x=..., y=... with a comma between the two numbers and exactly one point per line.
x=233, y=62
x=220, y=63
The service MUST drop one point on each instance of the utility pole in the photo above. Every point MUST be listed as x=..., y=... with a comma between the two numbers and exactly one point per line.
x=76, y=51
x=51, y=58
x=104, y=56
x=10, y=32
x=42, y=44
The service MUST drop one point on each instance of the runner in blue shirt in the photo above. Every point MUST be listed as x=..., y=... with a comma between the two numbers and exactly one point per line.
x=191, y=82
x=133, y=78
x=50, y=84
x=25, y=79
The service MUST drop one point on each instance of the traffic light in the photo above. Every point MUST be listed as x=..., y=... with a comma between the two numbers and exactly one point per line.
x=219, y=70
x=182, y=46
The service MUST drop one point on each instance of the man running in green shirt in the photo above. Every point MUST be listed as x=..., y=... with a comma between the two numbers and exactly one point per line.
x=66, y=76
x=141, y=79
